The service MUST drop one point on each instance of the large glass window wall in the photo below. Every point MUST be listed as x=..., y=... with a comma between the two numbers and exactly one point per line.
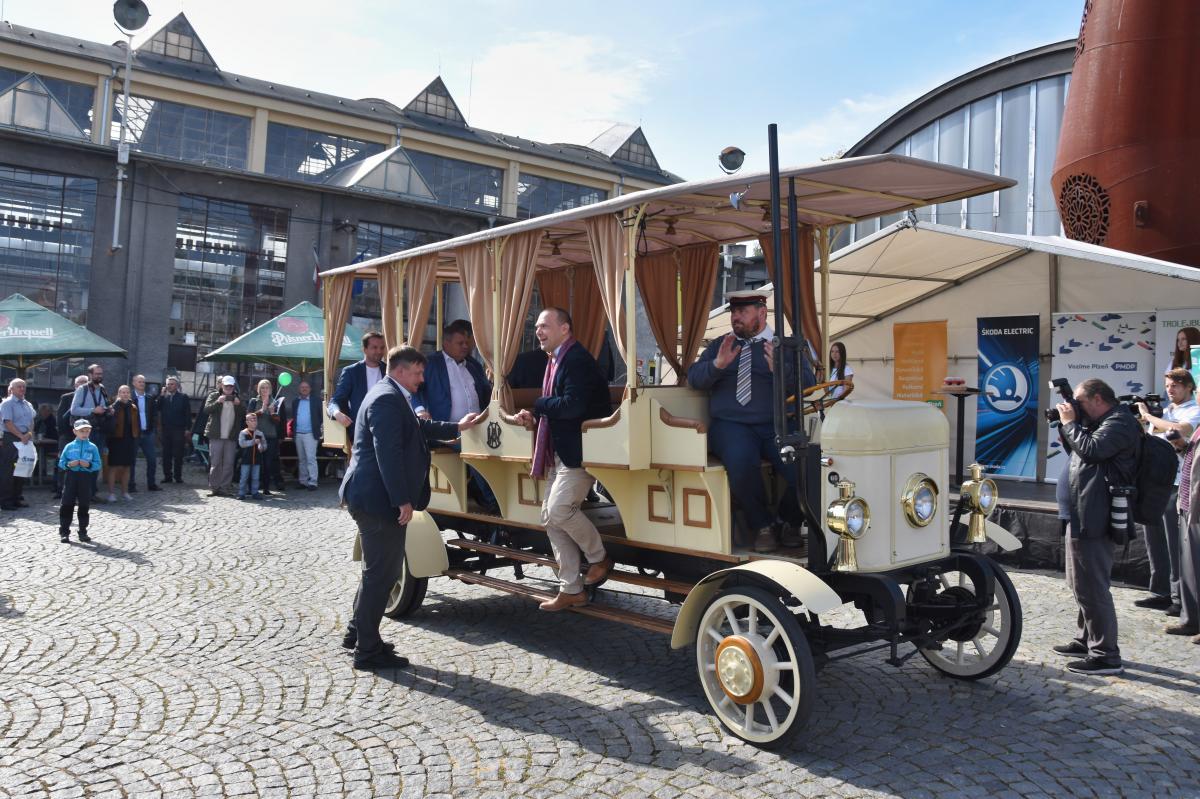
x=230, y=263
x=372, y=241
x=537, y=196
x=47, y=225
x=75, y=98
x=460, y=184
x=309, y=155
x=185, y=132
x=1013, y=133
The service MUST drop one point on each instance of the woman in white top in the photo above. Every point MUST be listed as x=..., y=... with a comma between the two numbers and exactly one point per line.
x=840, y=370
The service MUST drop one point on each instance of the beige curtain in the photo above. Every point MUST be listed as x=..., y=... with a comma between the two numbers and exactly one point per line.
x=607, y=241
x=422, y=278
x=475, y=275
x=391, y=281
x=810, y=322
x=338, y=289
x=575, y=289
x=668, y=279
x=518, y=267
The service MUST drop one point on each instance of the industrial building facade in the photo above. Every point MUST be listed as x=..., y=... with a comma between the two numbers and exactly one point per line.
x=239, y=189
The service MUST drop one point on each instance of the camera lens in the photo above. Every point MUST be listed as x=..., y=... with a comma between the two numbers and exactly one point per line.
x=1052, y=415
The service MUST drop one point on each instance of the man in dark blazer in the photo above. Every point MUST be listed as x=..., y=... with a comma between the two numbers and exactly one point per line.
x=573, y=391
x=175, y=414
x=66, y=430
x=356, y=380
x=443, y=392
x=455, y=385
x=387, y=480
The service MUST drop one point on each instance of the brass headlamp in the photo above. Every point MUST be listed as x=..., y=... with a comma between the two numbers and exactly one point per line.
x=980, y=495
x=848, y=516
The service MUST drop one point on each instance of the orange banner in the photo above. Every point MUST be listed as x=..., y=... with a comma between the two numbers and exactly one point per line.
x=920, y=349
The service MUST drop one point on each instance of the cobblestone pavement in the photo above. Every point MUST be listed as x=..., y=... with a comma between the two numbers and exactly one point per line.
x=194, y=650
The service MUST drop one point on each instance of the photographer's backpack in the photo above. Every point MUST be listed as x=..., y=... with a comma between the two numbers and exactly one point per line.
x=1156, y=469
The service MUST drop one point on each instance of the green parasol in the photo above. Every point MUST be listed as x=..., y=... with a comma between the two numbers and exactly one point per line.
x=31, y=335
x=293, y=340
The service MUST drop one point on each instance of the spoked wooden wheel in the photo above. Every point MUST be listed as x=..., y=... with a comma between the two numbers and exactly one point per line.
x=407, y=594
x=985, y=646
x=755, y=665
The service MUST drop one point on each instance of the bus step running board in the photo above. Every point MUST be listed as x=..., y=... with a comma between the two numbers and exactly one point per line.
x=660, y=583
x=632, y=618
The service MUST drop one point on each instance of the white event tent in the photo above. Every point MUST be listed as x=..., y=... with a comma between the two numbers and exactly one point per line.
x=919, y=271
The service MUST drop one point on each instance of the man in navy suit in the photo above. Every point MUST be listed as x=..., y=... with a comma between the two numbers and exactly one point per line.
x=738, y=371
x=387, y=480
x=356, y=380
x=573, y=391
x=455, y=385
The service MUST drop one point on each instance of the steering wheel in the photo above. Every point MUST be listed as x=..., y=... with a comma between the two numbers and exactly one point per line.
x=824, y=401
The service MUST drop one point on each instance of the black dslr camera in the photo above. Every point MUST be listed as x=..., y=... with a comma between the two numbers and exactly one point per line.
x=1063, y=387
x=1154, y=403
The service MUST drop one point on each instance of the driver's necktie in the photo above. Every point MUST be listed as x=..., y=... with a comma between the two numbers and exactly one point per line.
x=743, y=373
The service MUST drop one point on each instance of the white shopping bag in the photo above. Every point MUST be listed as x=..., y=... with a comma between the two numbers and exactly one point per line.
x=27, y=457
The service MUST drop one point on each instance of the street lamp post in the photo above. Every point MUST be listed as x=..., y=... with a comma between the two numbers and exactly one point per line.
x=130, y=15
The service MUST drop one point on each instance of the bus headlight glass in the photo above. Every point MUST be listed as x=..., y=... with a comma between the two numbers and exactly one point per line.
x=920, y=500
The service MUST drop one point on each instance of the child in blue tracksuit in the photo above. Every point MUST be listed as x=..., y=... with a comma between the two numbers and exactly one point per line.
x=78, y=461
x=252, y=444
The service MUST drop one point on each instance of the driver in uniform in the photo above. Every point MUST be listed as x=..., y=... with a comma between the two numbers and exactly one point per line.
x=738, y=372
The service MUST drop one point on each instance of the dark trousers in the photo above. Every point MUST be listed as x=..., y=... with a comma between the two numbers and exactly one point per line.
x=77, y=490
x=1162, y=550
x=272, y=472
x=742, y=448
x=1089, y=568
x=11, y=486
x=145, y=443
x=383, y=561
x=173, y=444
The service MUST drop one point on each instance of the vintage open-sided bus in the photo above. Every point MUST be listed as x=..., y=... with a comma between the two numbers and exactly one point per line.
x=881, y=536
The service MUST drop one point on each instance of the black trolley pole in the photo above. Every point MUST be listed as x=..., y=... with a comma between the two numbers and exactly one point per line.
x=793, y=445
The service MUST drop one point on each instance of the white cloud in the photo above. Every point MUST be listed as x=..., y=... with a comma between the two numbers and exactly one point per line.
x=840, y=126
x=556, y=87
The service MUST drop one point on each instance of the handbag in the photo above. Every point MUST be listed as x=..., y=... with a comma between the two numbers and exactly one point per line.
x=27, y=458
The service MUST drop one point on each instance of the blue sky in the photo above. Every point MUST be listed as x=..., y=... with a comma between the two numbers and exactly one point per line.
x=696, y=75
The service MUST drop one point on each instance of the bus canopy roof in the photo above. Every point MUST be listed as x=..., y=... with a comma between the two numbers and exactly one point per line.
x=727, y=209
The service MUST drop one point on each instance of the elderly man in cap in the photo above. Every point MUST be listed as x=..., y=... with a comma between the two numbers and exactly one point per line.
x=226, y=414
x=738, y=372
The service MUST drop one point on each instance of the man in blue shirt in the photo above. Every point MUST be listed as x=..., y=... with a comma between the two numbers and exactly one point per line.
x=738, y=371
x=307, y=418
x=78, y=461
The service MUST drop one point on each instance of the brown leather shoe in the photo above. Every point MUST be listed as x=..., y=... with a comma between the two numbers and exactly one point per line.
x=1181, y=629
x=564, y=601
x=598, y=572
x=766, y=540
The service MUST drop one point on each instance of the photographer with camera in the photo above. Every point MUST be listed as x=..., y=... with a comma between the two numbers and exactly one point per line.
x=1162, y=537
x=1102, y=437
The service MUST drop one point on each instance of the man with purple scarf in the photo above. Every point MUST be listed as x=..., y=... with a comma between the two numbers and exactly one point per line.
x=573, y=391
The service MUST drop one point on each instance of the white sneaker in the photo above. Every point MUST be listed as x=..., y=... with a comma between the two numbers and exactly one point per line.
x=127, y=497
x=111, y=498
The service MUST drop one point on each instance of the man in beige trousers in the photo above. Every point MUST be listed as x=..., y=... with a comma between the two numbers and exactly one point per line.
x=573, y=391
